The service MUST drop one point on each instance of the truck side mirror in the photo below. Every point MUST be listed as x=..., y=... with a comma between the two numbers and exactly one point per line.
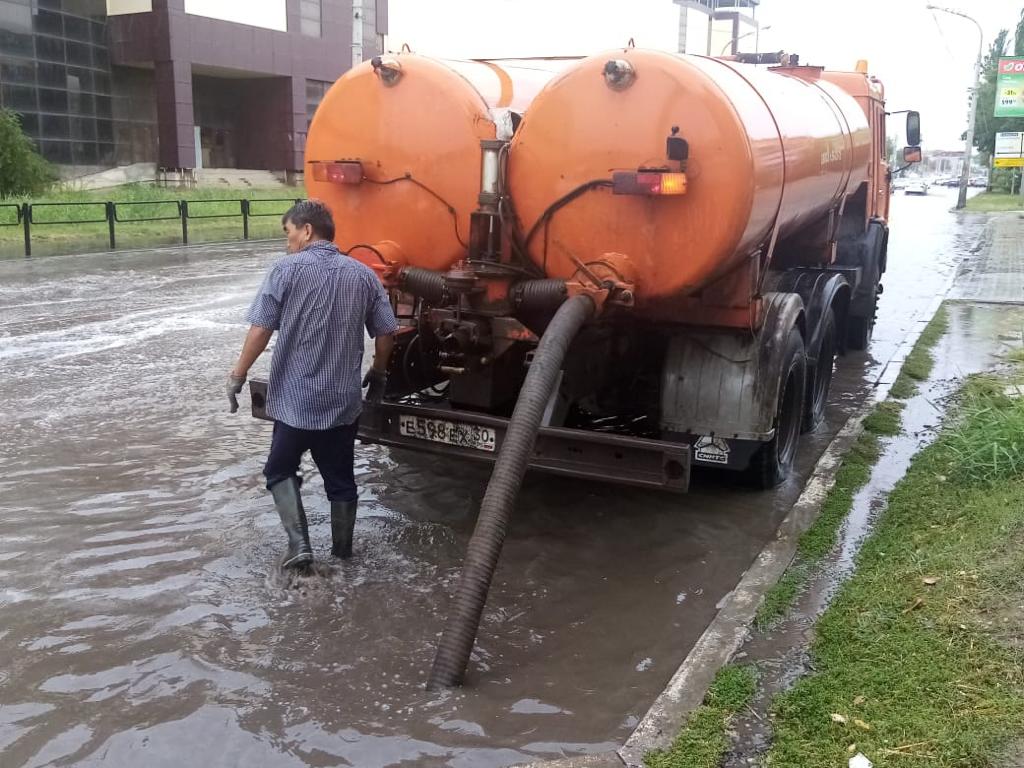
x=913, y=128
x=911, y=155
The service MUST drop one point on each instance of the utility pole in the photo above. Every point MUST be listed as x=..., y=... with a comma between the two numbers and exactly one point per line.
x=965, y=174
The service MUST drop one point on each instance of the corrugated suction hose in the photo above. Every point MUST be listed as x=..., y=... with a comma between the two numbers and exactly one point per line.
x=502, y=489
x=424, y=282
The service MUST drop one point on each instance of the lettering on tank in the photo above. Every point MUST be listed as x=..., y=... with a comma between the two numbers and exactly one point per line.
x=831, y=155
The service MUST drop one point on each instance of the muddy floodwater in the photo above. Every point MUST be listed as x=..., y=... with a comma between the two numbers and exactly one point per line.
x=142, y=618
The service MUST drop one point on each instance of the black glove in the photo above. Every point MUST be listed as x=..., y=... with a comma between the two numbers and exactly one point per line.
x=375, y=381
x=234, y=386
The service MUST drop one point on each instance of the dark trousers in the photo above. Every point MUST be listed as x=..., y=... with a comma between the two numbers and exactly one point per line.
x=332, y=451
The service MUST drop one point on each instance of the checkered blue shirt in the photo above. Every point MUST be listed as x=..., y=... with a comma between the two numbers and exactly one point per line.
x=319, y=300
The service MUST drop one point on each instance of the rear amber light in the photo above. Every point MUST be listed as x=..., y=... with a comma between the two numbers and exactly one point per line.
x=673, y=184
x=342, y=172
x=648, y=183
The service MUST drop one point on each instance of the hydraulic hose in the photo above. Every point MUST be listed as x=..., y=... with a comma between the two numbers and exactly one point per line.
x=499, y=499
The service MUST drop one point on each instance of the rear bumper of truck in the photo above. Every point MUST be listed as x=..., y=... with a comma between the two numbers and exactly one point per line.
x=578, y=453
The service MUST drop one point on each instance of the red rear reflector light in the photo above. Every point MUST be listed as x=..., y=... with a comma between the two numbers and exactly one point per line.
x=346, y=172
x=648, y=183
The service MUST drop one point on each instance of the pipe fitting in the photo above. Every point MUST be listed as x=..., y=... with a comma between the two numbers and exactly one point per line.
x=619, y=74
x=387, y=68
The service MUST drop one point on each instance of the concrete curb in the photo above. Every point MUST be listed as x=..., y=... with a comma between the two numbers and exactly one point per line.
x=726, y=633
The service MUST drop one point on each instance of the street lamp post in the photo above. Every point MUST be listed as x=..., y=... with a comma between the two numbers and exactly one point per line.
x=965, y=174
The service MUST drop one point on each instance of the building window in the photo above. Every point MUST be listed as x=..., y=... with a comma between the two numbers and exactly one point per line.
x=310, y=12
x=718, y=5
x=315, y=90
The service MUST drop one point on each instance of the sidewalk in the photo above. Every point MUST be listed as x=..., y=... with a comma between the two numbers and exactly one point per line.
x=996, y=275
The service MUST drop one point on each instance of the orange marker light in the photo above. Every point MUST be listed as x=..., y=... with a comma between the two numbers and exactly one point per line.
x=348, y=172
x=649, y=183
x=673, y=184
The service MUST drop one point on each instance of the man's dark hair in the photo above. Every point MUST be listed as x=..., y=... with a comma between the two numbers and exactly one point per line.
x=314, y=213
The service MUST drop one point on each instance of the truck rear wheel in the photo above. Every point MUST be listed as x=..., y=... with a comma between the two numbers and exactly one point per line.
x=773, y=461
x=870, y=257
x=859, y=329
x=820, y=381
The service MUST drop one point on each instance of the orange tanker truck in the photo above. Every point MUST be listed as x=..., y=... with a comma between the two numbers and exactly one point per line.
x=648, y=264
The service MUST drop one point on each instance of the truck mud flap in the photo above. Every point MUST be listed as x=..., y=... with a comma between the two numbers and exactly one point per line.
x=577, y=453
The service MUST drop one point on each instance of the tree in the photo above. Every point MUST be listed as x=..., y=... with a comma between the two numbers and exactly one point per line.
x=986, y=125
x=22, y=170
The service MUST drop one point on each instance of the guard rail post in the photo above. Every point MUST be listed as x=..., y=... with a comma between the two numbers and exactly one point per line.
x=26, y=220
x=111, y=216
x=245, y=218
x=183, y=210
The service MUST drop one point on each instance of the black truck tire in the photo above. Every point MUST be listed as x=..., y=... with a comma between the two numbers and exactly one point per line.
x=819, y=381
x=859, y=330
x=774, y=460
x=869, y=254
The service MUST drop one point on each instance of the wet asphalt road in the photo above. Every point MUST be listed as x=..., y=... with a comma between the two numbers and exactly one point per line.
x=142, y=618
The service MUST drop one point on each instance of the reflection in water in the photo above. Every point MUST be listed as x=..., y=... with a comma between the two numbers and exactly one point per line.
x=142, y=616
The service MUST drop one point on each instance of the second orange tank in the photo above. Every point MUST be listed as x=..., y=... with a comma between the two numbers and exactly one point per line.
x=768, y=153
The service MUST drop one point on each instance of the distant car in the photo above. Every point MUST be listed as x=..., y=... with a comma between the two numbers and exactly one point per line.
x=978, y=181
x=916, y=188
x=899, y=184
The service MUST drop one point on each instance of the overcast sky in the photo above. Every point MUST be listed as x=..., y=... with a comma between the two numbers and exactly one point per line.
x=925, y=59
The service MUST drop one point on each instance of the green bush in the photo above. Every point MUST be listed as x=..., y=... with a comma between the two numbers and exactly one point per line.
x=1002, y=179
x=22, y=170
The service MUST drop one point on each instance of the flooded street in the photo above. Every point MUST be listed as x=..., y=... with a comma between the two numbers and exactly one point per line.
x=142, y=617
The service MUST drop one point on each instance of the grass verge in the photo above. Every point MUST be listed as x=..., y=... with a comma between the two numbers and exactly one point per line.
x=883, y=421
x=990, y=202
x=919, y=363
x=921, y=650
x=704, y=740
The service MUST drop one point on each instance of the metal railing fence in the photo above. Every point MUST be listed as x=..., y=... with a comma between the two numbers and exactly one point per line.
x=115, y=214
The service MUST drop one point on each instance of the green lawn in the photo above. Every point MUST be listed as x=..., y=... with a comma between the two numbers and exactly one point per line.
x=990, y=202
x=135, y=202
x=921, y=650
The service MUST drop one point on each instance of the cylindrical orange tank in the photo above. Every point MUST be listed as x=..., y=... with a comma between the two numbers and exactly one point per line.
x=765, y=149
x=415, y=125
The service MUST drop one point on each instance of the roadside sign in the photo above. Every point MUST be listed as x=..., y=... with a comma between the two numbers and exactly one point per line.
x=1009, y=150
x=1010, y=87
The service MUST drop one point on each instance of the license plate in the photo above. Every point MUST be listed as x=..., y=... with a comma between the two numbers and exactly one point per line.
x=449, y=432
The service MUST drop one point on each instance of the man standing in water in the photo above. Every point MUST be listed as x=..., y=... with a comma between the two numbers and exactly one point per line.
x=319, y=300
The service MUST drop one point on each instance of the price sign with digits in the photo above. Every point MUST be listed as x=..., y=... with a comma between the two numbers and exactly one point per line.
x=1010, y=87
